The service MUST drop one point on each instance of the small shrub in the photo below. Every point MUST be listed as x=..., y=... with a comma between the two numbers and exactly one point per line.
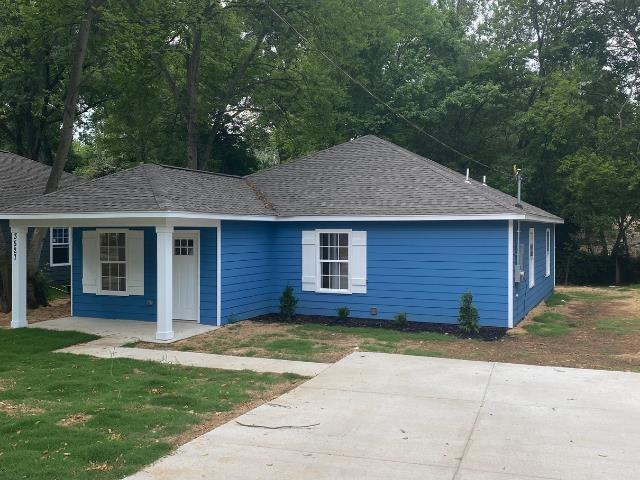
x=400, y=320
x=288, y=303
x=343, y=313
x=468, y=317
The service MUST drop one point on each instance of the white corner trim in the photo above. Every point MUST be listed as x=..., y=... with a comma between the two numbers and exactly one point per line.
x=219, y=274
x=510, y=277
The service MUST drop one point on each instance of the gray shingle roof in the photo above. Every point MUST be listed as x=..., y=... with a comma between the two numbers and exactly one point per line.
x=22, y=179
x=364, y=177
x=152, y=188
x=372, y=177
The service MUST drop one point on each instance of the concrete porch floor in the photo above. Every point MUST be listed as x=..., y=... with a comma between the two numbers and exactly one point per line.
x=124, y=331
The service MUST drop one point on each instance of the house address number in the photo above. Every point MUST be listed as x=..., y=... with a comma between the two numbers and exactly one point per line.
x=15, y=246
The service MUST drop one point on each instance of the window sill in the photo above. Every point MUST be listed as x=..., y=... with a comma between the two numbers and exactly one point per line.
x=328, y=290
x=112, y=294
x=60, y=264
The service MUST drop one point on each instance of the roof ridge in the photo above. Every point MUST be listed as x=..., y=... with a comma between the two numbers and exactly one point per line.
x=447, y=173
x=151, y=185
x=175, y=167
x=304, y=157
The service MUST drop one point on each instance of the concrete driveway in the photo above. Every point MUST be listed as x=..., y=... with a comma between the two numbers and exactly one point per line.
x=380, y=416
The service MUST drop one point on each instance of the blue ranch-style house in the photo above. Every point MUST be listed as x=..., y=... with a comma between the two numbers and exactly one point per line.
x=365, y=224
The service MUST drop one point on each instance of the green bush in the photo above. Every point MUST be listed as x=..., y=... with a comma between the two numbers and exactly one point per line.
x=468, y=317
x=343, y=313
x=400, y=320
x=288, y=303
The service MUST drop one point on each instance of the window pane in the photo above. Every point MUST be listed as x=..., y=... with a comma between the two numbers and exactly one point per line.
x=324, y=239
x=325, y=281
x=105, y=283
x=60, y=254
x=344, y=253
x=344, y=240
x=344, y=282
x=176, y=251
x=324, y=253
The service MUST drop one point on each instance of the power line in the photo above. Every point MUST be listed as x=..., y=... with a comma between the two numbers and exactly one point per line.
x=380, y=100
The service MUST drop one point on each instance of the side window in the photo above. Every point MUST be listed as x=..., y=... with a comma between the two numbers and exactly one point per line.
x=59, y=247
x=547, y=253
x=532, y=257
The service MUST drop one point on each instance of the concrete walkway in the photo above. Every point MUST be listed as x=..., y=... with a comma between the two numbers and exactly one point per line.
x=105, y=348
x=380, y=416
x=115, y=333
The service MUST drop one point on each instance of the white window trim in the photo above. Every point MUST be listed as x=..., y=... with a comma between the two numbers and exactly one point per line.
x=532, y=258
x=99, y=290
x=51, y=262
x=547, y=246
x=319, y=288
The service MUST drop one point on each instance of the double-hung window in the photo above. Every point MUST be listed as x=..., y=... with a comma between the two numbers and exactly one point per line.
x=334, y=261
x=58, y=247
x=113, y=263
x=548, y=252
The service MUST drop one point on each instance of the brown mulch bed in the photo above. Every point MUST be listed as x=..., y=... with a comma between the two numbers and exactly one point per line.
x=56, y=309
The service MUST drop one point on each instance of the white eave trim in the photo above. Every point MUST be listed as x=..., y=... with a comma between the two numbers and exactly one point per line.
x=271, y=218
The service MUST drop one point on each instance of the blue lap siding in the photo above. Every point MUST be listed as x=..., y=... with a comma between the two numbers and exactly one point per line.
x=143, y=307
x=132, y=307
x=420, y=268
x=248, y=281
x=525, y=298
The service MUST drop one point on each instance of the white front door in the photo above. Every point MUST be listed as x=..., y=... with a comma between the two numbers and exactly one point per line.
x=186, y=276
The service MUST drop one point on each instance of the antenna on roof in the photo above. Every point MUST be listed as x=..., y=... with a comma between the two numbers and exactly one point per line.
x=518, y=173
x=467, y=179
x=484, y=180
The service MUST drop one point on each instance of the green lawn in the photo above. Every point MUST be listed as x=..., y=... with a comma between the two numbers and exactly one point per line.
x=64, y=416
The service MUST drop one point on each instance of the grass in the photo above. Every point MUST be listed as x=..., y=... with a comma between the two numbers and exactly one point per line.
x=583, y=327
x=557, y=299
x=549, y=324
x=619, y=326
x=308, y=342
x=64, y=416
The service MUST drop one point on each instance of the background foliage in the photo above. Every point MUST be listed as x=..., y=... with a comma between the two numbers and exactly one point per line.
x=227, y=86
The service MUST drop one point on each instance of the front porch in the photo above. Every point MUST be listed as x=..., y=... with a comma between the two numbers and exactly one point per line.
x=161, y=274
x=124, y=331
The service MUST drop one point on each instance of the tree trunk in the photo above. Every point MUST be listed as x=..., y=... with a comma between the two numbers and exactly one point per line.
x=193, y=68
x=66, y=137
x=5, y=270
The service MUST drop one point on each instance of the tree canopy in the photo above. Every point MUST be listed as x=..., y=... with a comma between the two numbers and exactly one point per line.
x=236, y=85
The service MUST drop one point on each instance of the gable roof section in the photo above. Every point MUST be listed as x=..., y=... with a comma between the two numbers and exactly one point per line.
x=22, y=179
x=372, y=177
x=152, y=188
x=366, y=177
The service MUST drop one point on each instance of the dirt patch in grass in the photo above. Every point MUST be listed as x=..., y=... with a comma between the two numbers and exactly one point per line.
x=74, y=419
x=58, y=308
x=581, y=327
x=20, y=409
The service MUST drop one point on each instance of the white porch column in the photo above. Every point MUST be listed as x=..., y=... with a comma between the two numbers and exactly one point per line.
x=165, y=283
x=18, y=276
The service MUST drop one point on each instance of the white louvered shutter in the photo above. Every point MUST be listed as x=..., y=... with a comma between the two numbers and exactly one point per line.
x=89, y=261
x=358, y=262
x=309, y=260
x=135, y=262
